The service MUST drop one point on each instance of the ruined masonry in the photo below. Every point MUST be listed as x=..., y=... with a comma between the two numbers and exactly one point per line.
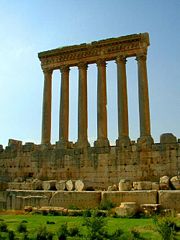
x=101, y=165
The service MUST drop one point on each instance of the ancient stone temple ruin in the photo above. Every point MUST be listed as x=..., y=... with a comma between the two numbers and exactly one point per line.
x=27, y=169
x=118, y=49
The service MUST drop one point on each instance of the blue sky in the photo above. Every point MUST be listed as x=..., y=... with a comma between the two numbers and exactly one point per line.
x=29, y=27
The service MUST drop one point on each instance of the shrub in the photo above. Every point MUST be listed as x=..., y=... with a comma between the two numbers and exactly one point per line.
x=44, y=234
x=106, y=205
x=63, y=232
x=2, y=237
x=50, y=222
x=87, y=213
x=24, y=221
x=11, y=235
x=166, y=227
x=74, y=231
x=26, y=237
x=21, y=228
x=44, y=212
x=73, y=207
x=116, y=235
x=3, y=227
x=96, y=227
x=136, y=235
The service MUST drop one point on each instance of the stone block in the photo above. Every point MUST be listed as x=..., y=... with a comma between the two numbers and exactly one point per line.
x=164, y=183
x=79, y=185
x=126, y=209
x=28, y=147
x=49, y=185
x=70, y=185
x=170, y=199
x=36, y=184
x=16, y=143
x=142, y=185
x=167, y=138
x=125, y=185
x=150, y=209
x=61, y=185
x=80, y=200
x=18, y=199
x=140, y=197
x=3, y=186
x=155, y=186
x=1, y=148
x=175, y=182
x=14, y=185
x=112, y=188
x=3, y=200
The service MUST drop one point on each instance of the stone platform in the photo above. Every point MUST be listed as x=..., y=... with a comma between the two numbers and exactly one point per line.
x=18, y=199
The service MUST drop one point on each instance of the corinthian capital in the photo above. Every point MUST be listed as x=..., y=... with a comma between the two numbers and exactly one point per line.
x=64, y=68
x=141, y=57
x=121, y=59
x=82, y=65
x=101, y=62
x=47, y=71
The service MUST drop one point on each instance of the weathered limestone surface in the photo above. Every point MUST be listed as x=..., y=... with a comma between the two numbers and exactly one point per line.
x=125, y=185
x=3, y=199
x=46, y=120
x=169, y=199
x=49, y=185
x=123, y=124
x=126, y=209
x=168, y=138
x=142, y=185
x=78, y=199
x=61, y=185
x=18, y=199
x=175, y=181
x=64, y=107
x=82, y=106
x=139, y=197
x=164, y=183
x=96, y=167
x=70, y=185
x=79, y=185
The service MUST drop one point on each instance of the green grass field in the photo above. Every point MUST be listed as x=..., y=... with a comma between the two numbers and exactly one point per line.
x=144, y=226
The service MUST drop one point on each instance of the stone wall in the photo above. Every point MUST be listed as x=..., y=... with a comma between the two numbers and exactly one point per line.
x=98, y=167
x=19, y=199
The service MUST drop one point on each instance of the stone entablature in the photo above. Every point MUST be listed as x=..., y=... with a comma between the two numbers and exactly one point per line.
x=108, y=49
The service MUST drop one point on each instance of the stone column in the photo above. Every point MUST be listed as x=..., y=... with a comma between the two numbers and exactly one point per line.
x=46, y=112
x=102, y=140
x=82, y=106
x=123, y=125
x=64, y=107
x=144, y=113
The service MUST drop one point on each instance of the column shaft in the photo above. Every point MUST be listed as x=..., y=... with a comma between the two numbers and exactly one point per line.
x=82, y=106
x=46, y=112
x=144, y=113
x=64, y=106
x=123, y=125
x=101, y=106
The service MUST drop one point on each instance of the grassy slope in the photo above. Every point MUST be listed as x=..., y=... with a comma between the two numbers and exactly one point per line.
x=144, y=226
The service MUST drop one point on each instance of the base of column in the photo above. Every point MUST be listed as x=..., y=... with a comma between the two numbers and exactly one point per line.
x=101, y=143
x=62, y=144
x=147, y=140
x=46, y=146
x=82, y=144
x=123, y=141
